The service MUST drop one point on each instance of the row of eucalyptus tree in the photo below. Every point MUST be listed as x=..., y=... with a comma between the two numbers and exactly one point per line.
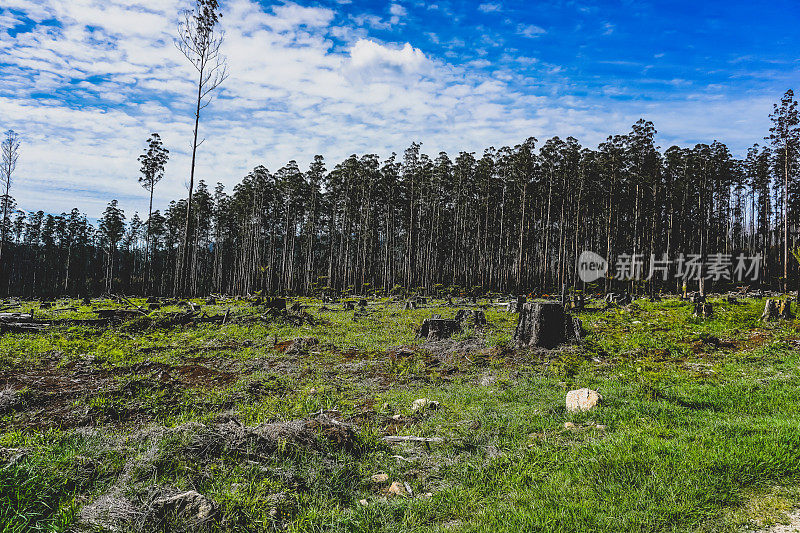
x=513, y=219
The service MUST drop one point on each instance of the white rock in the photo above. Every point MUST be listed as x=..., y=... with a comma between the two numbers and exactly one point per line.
x=380, y=478
x=582, y=400
x=424, y=403
x=397, y=489
x=190, y=502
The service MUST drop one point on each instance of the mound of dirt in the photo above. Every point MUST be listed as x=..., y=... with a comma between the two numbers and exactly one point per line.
x=130, y=505
x=266, y=439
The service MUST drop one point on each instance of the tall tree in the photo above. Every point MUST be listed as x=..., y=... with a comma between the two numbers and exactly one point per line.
x=153, y=160
x=785, y=137
x=199, y=41
x=112, y=227
x=10, y=155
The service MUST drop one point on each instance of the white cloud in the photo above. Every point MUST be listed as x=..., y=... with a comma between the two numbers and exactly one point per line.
x=489, y=7
x=530, y=30
x=367, y=54
x=294, y=91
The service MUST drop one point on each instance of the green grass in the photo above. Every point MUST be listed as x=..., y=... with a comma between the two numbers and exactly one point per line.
x=699, y=429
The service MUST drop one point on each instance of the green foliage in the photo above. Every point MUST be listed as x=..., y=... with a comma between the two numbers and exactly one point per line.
x=699, y=418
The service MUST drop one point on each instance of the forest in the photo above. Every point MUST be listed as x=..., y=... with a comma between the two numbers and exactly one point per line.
x=510, y=220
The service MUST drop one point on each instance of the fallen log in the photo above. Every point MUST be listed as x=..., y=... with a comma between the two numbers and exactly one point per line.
x=118, y=314
x=23, y=327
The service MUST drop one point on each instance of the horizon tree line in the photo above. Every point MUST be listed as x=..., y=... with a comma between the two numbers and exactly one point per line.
x=511, y=220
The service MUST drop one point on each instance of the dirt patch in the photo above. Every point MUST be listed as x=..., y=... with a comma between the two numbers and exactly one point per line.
x=297, y=346
x=704, y=343
x=196, y=375
x=757, y=338
x=791, y=526
x=48, y=395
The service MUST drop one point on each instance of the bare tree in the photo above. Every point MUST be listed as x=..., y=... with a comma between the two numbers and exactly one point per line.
x=10, y=151
x=199, y=41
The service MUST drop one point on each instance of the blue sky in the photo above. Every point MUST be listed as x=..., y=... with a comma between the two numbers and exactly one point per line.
x=85, y=82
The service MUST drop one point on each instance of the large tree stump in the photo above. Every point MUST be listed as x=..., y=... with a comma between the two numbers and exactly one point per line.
x=435, y=329
x=546, y=325
x=770, y=310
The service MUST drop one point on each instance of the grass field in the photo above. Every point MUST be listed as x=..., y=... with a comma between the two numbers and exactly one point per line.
x=699, y=429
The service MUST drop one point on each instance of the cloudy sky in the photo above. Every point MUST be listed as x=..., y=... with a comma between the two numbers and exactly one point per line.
x=84, y=82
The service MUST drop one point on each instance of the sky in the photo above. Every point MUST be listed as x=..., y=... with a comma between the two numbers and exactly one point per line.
x=84, y=83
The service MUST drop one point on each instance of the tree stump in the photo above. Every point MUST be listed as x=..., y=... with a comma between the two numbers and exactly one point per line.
x=704, y=310
x=770, y=310
x=349, y=306
x=410, y=304
x=470, y=317
x=785, y=309
x=698, y=298
x=435, y=329
x=546, y=325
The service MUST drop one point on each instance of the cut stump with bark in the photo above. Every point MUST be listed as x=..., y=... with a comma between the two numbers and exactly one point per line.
x=546, y=325
x=770, y=310
x=471, y=317
x=705, y=310
x=785, y=309
x=435, y=329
